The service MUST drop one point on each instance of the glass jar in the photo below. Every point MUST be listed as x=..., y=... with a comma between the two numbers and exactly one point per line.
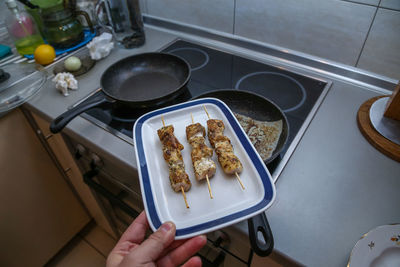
x=61, y=28
x=42, y=4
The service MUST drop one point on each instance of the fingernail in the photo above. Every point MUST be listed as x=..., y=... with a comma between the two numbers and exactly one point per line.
x=166, y=227
x=203, y=238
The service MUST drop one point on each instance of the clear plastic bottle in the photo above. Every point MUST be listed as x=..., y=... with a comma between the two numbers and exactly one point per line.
x=22, y=29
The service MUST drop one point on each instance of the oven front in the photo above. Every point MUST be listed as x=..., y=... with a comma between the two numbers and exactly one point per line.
x=117, y=191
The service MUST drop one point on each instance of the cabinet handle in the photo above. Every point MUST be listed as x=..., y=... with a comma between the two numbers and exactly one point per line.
x=47, y=137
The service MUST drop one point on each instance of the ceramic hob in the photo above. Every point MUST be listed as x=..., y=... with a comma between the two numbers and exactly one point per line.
x=211, y=69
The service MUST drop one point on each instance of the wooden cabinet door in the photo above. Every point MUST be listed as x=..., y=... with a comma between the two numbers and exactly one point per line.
x=64, y=157
x=39, y=213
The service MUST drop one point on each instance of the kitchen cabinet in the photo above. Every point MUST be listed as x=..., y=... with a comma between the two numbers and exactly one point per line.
x=64, y=157
x=39, y=212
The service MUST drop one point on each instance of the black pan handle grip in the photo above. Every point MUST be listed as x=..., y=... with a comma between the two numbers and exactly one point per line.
x=61, y=121
x=259, y=223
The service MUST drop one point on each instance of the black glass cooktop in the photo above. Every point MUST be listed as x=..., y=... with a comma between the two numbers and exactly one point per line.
x=212, y=69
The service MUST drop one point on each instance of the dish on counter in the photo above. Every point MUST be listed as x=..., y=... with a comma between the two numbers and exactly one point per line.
x=379, y=247
x=87, y=64
x=230, y=204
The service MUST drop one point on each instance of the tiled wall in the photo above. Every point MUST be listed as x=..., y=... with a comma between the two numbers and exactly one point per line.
x=362, y=33
x=381, y=52
x=330, y=29
x=214, y=14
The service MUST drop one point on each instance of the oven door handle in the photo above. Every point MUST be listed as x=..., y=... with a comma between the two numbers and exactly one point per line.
x=88, y=178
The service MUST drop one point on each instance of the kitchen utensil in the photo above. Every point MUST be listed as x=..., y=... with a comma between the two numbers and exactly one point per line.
x=389, y=128
x=23, y=82
x=378, y=247
x=124, y=19
x=392, y=109
x=61, y=28
x=89, y=7
x=381, y=143
x=35, y=7
x=259, y=108
x=230, y=204
x=138, y=81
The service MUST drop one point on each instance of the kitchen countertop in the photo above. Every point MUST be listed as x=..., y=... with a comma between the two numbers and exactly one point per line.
x=335, y=187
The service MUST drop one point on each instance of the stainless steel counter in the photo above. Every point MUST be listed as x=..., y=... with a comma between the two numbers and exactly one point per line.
x=335, y=187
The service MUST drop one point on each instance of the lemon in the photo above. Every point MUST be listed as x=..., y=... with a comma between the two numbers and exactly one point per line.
x=44, y=54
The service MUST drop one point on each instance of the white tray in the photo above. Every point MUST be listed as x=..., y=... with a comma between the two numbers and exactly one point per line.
x=230, y=205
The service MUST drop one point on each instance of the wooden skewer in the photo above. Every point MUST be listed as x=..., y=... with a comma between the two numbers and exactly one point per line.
x=240, y=181
x=162, y=119
x=208, y=115
x=209, y=187
x=183, y=191
x=184, y=197
x=236, y=174
x=208, y=180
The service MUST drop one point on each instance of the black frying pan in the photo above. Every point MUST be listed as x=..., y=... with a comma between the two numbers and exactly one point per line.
x=139, y=81
x=259, y=108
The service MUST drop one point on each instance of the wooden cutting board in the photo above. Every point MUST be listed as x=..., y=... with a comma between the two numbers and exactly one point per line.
x=384, y=145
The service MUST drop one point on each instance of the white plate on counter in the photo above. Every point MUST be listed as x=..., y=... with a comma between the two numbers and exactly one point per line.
x=379, y=247
x=230, y=204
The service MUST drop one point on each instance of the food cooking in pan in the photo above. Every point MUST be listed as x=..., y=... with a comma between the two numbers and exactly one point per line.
x=264, y=135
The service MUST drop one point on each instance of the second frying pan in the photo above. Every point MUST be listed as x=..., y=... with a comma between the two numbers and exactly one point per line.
x=139, y=81
x=256, y=107
x=259, y=108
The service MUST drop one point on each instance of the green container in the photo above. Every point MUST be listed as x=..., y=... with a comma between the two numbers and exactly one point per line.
x=43, y=5
x=27, y=45
x=58, y=23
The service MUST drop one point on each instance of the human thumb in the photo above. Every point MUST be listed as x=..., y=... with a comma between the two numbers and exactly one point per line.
x=152, y=248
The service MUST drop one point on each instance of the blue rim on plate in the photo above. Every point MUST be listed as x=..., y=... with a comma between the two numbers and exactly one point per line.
x=269, y=189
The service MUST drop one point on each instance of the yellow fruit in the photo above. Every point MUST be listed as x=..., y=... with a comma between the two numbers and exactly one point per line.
x=44, y=54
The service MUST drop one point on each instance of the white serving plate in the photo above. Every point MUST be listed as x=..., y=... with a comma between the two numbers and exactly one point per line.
x=230, y=205
x=379, y=247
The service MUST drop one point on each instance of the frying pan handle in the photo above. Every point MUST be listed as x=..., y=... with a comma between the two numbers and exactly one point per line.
x=259, y=223
x=61, y=121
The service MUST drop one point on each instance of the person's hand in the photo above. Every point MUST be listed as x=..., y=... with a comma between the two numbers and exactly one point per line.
x=159, y=249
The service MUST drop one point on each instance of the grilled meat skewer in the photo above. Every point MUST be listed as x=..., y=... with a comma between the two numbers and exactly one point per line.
x=172, y=155
x=204, y=167
x=229, y=162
